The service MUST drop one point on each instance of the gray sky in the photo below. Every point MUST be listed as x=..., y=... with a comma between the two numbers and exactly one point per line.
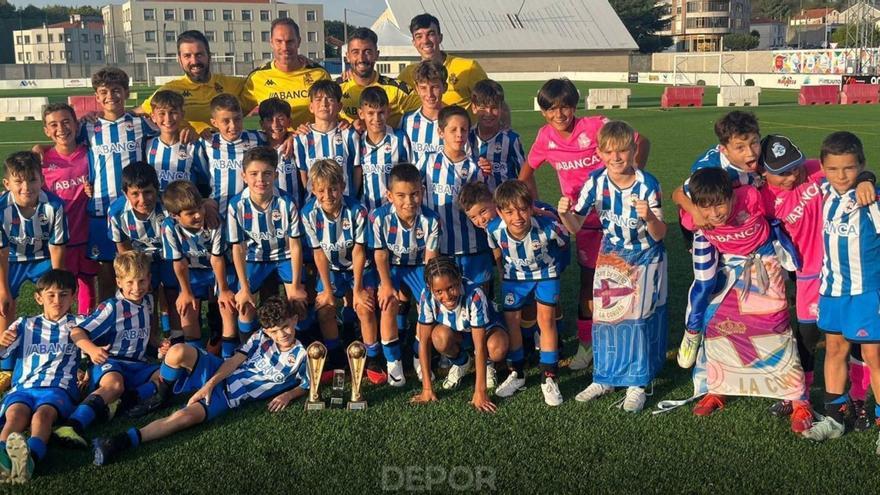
x=364, y=15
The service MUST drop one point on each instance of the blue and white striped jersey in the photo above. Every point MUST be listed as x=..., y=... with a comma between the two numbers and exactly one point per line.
x=45, y=356
x=145, y=235
x=616, y=208
x=265, y=232
x=336, y=236
x=377, y=160
x=28, y=239
x=472, y=310
x=714, y=158
x=503, y=150
x=288, y=178
x=537, y=256
x=267, y=371
x=852, y=245
x=338, y=144
x=123, y=324
x=197, y=247
x=222, y=160
x=443, y=181
x=178, y=161
x=406, y=245
x=113, y=145
x=423, y=134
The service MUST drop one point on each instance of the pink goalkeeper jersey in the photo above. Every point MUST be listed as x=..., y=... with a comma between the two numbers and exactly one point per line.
x=574, y=157
x=800, y=211
x=65, y=176
x=746, y=228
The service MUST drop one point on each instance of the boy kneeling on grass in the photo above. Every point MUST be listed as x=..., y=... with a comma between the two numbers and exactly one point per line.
x=272, y=363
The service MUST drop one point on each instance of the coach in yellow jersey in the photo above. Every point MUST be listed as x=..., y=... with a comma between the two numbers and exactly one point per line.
x=361, y=54
x=464, y=73
x=199, y=85
x=287, y=76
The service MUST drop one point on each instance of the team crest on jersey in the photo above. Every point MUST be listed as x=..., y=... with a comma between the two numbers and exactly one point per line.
x=419, y=233
x=218, y=87
x=129, y=126
x=453, y=79
x=43, y=219
x=346, y=224
x=584, y=141
x=95, y=251
x=536, y=245
x=307, y=78
x=276, y=215
x=498, y=147
x=614, y=289
x=741, y=217
x=509, y=299
x=463, y=173
x=291, y=359
x=387, y=148
x=337, y=139
x=182, y=154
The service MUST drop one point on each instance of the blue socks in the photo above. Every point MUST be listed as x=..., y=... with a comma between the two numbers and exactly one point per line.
x=134, y=436
x=392, y=350
x=373, y=350
x=37, y=448
x=170, y=374
x=246, y=327
x=459, y=359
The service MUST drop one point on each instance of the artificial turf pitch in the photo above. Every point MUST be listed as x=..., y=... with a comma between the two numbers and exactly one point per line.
x=526, y=445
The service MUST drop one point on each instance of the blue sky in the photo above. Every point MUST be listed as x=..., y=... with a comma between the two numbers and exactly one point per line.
x=364, y=15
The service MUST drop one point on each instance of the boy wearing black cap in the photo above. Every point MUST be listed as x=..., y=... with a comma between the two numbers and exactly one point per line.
x=792, y=195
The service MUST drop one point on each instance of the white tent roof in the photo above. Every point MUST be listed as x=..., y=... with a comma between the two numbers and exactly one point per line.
x=504, y=25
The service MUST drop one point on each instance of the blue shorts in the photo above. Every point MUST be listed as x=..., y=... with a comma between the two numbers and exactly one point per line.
x=857, y=318
x=206, y=366
x=518, y=293
x=100, y=246
x=22, y=271
x=413, y=277
x=343, y=282
x=202, y=283
x=162, y=272
x=134, y=373
x=259, y=271
x=56, y=397
x=476, y=267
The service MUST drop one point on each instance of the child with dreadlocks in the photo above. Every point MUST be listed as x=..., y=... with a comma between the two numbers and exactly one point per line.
x=455, y=316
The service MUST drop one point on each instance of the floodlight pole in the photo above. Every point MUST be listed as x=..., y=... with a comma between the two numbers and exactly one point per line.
x=344, y=40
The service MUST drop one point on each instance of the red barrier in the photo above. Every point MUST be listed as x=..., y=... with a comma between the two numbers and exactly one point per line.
x=83, y=104
x=860, y=94
x=818, y=95
x=682, y=96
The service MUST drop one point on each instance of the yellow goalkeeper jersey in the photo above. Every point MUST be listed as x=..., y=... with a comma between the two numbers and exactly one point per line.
x=464, y=74
x=267, y=81
x=197, y=96
x=401, y=98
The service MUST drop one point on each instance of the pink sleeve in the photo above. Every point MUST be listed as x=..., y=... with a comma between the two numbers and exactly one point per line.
x=754, y=203
x=538, y=151
x=687, y=221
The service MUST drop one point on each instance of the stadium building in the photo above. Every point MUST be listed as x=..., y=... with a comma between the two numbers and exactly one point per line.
x=511, y=35
x=239, y=29
x=699, y=25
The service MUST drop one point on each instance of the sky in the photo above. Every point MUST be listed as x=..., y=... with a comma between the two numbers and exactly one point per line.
x=366, y=12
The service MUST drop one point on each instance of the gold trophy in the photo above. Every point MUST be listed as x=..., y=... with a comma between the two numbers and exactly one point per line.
x=357, y=358
x=316, y=354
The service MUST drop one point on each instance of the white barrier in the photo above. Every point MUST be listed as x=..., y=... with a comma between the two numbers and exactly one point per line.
x=739, y=96
x=608, y=98
x=22, y=108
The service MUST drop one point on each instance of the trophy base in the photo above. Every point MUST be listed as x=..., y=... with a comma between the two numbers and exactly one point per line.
x=337, y=402
x=315, y=406
x=357, y=405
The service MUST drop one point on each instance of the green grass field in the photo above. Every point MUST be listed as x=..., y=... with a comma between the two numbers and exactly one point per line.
x=526, y=445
